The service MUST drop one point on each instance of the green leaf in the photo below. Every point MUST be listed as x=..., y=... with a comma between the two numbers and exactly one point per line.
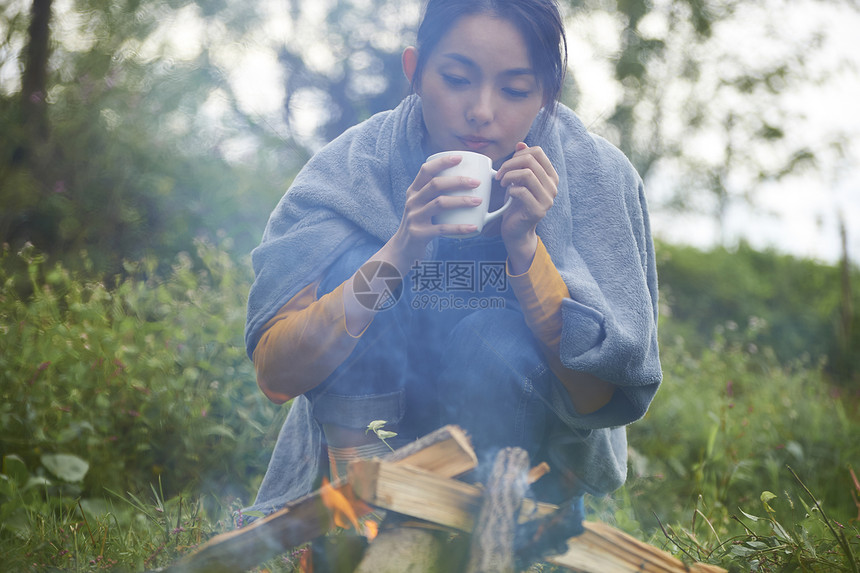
x=766, y=496
x=74, y=432
x=712, y=440
x=7, y=486
x=221, y=430
x=385, y=434
x=67, y=467
x=37, y=481
x=376, y=425
x=748, y=516
x=16, y=469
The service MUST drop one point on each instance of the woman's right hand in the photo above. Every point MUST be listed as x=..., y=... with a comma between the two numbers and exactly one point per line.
x=425, y=198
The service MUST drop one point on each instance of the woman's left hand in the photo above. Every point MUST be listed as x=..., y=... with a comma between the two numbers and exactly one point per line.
x=532, y=182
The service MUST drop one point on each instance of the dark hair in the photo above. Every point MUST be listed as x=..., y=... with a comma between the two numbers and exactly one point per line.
x=538, y=21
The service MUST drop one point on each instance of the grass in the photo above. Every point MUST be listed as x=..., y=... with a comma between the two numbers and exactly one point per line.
x=131, y=430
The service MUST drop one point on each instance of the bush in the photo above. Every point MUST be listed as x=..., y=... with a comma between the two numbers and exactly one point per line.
x=735, y=444
x=142, y=380
x=804, y=306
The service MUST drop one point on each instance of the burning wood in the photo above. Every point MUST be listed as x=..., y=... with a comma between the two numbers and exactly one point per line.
x=345, y=509
x=416, y=481
x=446, y=452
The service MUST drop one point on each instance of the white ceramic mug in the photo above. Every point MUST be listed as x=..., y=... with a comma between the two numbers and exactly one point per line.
x=475, y=166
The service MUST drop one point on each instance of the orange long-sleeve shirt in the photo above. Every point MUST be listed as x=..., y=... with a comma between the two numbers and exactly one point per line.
x=308, y=336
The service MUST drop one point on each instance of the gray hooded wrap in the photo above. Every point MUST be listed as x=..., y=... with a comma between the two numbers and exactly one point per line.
x=597, y=234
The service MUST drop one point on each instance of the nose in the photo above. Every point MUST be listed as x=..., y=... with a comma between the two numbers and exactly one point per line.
x=480, y=111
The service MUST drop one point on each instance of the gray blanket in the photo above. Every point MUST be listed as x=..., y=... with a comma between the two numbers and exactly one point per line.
x=597, y=234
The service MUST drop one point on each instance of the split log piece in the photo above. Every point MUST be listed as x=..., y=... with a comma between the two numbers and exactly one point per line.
x=411, y=550
x=602, y=548
x=416, y=493
x=446, y=452
x=492, y=549
x=538, y=472
x=241, y=549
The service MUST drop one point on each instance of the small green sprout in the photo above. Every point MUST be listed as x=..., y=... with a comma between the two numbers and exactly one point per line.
x=376, y=427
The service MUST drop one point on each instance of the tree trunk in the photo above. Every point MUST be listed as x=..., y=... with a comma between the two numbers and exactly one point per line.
x=845, y=361
x=34, y=81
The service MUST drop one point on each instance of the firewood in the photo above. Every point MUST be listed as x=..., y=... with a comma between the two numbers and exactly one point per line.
x=241, y=549
x=600, y=549
x=492, y=549
x=538, y=472
x=401, y=485
x=414, y=492
x=412, y=550
x=446, y=451
x=606, y=549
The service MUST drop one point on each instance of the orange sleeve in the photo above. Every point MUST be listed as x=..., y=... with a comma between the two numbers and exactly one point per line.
x=302, y=344
x=540, y=291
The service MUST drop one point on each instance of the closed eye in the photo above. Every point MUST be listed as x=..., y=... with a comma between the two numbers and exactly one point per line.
x=517, y=94
x=455, y=81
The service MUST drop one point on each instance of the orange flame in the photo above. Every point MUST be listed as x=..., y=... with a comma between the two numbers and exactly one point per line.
x=371, y=529
x=345, y=508
x=306, y=564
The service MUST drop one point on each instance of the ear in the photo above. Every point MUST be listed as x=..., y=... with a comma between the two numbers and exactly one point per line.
x=410, y=64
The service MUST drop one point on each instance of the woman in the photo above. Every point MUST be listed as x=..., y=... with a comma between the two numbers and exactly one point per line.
x=555, y=355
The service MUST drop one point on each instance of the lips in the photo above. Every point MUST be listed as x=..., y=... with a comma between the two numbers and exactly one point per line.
x=475, y=143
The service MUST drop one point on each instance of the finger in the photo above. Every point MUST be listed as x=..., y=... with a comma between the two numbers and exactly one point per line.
x=543, y=190
x=444, y=185
x=520, y=150
x=546, y=164
x=423, y=214
x=449, y=230
x=532, y=158
x=526, y=201
x=446, y=202
x=434, y=167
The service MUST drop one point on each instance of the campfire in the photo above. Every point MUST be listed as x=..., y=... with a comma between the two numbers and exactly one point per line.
x=505, y=530
x=345, y=509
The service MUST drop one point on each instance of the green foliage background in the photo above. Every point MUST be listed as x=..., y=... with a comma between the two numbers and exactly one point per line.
x=122, y=401
x=131, y=427
x=145, y=379
x=797, y=308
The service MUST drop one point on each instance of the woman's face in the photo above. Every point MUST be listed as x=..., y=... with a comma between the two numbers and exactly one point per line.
x=478, y=89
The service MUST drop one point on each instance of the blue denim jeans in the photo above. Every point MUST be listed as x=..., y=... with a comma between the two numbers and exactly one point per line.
x=420, y=366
